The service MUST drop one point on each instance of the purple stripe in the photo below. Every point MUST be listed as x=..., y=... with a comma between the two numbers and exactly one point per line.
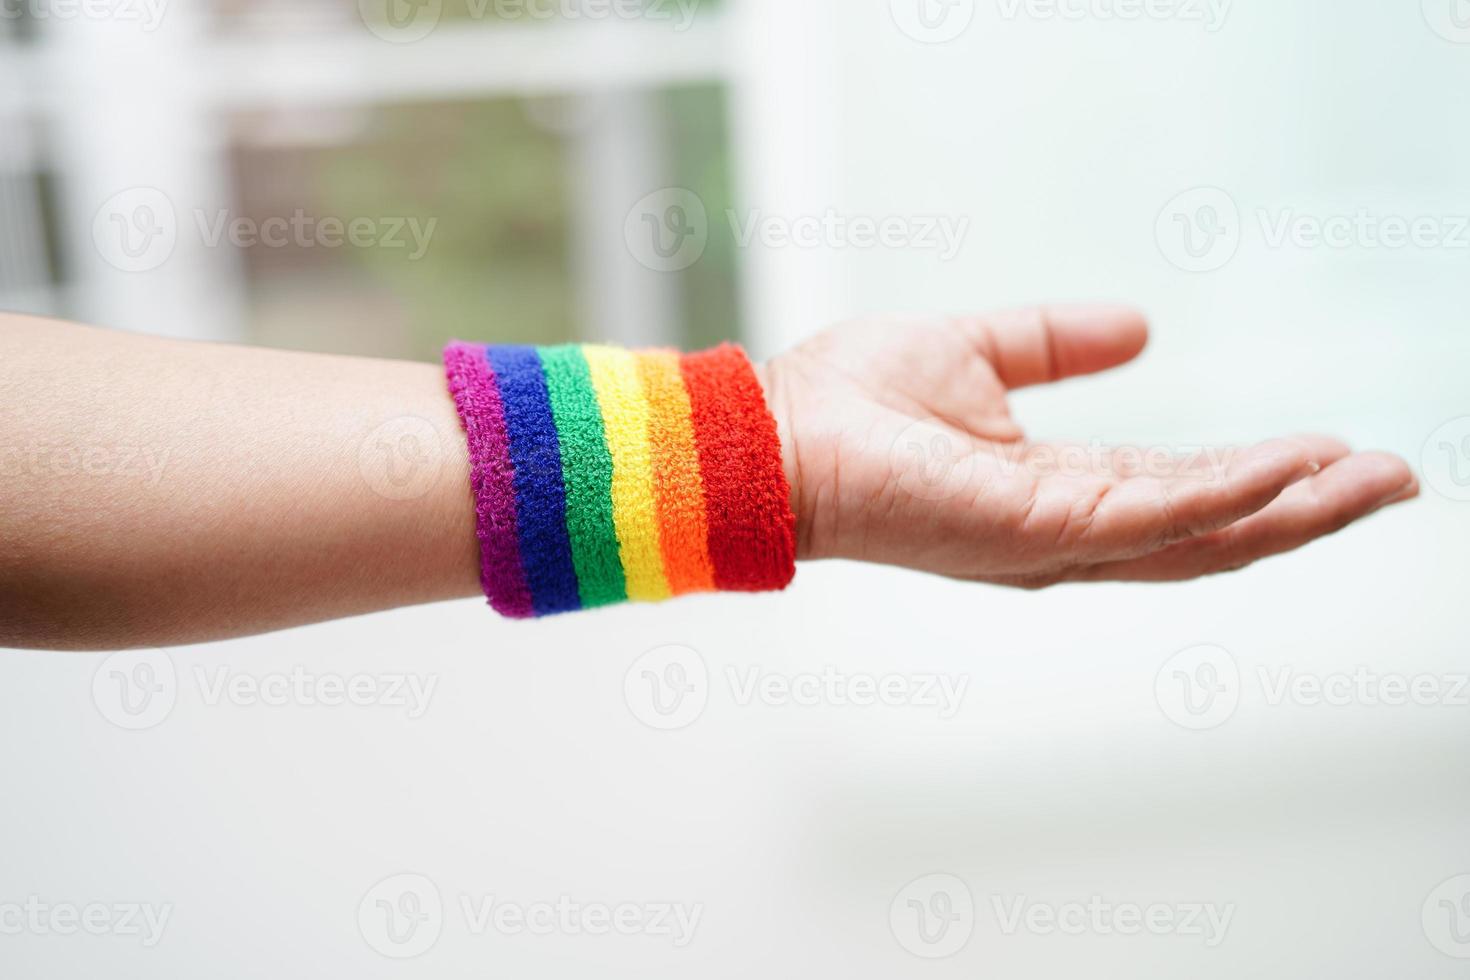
x=492, y=477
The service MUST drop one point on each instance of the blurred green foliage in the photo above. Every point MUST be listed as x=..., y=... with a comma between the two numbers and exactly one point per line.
x=495, y=183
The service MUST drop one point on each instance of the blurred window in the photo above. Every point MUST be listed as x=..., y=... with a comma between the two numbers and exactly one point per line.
x=381, y=197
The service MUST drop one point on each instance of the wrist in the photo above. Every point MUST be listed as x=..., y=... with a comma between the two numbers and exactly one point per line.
x=773, y=382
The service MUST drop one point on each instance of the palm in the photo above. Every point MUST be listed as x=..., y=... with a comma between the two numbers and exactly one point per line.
x=902, y=450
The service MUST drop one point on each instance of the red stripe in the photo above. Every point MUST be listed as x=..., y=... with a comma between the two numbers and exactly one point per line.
x=752, y=531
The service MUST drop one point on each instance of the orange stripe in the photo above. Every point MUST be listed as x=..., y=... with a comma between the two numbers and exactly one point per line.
x=678, y=488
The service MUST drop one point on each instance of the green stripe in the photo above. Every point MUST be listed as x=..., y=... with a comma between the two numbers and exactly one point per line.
x=587, y=470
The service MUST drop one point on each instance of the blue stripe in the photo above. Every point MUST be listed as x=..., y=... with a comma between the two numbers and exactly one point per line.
x=541, y=498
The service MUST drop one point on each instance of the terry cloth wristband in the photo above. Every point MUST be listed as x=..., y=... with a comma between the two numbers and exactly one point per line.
x=602, y=475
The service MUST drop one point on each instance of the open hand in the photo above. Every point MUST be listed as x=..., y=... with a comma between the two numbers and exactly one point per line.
x=901, y=449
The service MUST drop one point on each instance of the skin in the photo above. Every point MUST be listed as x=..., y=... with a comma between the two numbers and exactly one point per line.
x=159, y=491
x=1005, y=514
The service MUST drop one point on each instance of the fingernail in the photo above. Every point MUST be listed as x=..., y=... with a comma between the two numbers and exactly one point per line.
x=1408, y=491
x=1281, y=451
x=1310, y=466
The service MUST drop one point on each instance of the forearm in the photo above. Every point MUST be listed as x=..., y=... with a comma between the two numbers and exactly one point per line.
x=160, y=491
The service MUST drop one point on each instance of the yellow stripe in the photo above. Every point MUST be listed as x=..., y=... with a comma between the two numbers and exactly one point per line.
x=625, y=412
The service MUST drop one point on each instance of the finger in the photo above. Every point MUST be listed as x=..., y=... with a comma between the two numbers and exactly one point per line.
x=1048, y=343
x=1342, y=493
x=1132, y=518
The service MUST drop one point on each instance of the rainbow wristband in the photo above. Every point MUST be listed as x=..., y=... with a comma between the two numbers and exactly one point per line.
x=603, y=475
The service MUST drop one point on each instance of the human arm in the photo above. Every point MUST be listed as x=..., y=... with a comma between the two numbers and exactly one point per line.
x=160, y=491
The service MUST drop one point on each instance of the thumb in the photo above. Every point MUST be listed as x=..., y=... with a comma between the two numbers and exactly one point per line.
x=1048, y=343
